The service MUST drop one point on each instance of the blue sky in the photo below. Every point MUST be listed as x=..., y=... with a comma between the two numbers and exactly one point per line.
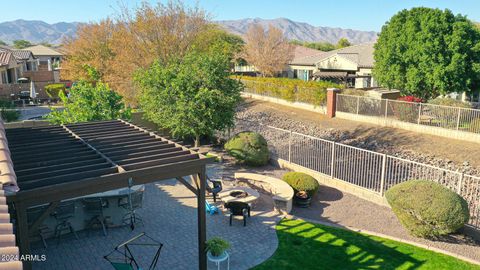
x=354, y=14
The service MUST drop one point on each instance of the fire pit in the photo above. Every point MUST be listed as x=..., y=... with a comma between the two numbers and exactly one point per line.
x=239, y=194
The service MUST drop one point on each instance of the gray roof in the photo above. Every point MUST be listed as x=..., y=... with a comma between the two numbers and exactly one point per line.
x=22, y=54
x=40, y=50
x=361, y=54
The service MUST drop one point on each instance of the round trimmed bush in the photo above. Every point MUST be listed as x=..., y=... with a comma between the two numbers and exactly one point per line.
x=301, y=182
x=427, y=209
x=249, y=148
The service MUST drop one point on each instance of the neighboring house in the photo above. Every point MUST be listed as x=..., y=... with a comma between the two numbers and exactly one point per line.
x=351, y=66
x=49, y=58
x=242, y=67
x=26, y=65
x=14, y=63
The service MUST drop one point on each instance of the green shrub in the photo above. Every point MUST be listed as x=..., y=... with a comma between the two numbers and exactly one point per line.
x=312, y=92
x=427, y=209
x=217, y=246
x=301, y=182
x=54, y=89
x=249, y=148
x=8, y=111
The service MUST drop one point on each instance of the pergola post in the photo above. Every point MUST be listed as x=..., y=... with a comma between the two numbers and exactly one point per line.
x=22, y=233
x=202, y=224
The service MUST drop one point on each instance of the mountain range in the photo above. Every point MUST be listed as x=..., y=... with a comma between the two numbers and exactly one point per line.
x=39, y=31
x=301, y=31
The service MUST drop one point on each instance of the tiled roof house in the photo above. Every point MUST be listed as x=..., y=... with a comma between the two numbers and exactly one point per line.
x=350, y=65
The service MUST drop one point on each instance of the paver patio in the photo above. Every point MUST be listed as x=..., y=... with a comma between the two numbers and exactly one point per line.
x=169, y=214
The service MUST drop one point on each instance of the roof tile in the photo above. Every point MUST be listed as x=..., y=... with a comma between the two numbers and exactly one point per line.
x=7, y=181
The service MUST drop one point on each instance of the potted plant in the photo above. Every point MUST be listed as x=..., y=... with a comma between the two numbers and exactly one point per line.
x=302, y=199
x=217, y=246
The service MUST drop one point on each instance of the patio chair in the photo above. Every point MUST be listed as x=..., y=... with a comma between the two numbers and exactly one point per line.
x=238, y=209
x=211, y=209
x=122, y=258
x=33, y=213
x=214, y=187
x=94, y=208
x=62, y=214
x=131, y=203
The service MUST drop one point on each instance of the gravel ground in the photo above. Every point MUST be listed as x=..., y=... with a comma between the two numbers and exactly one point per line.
x=437, y=151
x=344, y=209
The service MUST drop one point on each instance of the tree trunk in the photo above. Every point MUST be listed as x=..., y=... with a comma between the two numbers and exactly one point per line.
x=197, y=140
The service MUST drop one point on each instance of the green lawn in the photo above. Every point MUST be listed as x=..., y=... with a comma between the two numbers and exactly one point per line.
x=304, y=245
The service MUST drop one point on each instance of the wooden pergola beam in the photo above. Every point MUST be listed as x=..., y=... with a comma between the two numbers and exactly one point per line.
x=66, y=165
x=151, y=157
x=43, y=216
x=65, y=178
x=47, y=145
x=57, y=161
x=120, y=169
x=142, y=153
x=58, y=155
x=151, y=163
x=66, y=171
x=187, y=185
x=125, y=150
x=129, y=145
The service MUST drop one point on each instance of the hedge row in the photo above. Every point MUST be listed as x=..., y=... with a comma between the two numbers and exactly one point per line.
x=312, y=92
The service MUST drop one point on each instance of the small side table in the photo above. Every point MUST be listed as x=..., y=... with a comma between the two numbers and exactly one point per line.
x=219, y=259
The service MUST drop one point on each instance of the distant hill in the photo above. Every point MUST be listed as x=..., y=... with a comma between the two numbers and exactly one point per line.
x=36, y=31
x=39, y=31
x=302, y=31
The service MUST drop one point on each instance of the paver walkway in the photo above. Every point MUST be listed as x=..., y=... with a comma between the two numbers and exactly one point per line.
x=170, y=216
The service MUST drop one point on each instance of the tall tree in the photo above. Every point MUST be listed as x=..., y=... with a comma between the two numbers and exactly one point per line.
x=89, y=102
x=134, y=39
x=342, y=43
x=269, y=51
x=428, y=52
x=21, y=44
x=192, y=96
x=91, y=49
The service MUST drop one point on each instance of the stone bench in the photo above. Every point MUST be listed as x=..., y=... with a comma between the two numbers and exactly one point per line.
x=281, y=191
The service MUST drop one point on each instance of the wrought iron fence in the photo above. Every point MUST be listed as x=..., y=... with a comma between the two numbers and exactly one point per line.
x=454, y=118
x=363, y=168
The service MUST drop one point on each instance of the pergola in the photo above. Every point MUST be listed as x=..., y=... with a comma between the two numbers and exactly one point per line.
x=55, y=163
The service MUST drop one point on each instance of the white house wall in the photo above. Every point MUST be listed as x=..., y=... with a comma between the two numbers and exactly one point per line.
x=336, y=62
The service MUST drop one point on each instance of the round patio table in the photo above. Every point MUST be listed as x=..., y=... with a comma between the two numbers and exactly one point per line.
x=218, y=259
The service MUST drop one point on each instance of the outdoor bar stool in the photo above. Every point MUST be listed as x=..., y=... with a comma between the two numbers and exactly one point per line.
x=62, y=214
x=33, y=213
x=131, y=202
x=94, y=208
